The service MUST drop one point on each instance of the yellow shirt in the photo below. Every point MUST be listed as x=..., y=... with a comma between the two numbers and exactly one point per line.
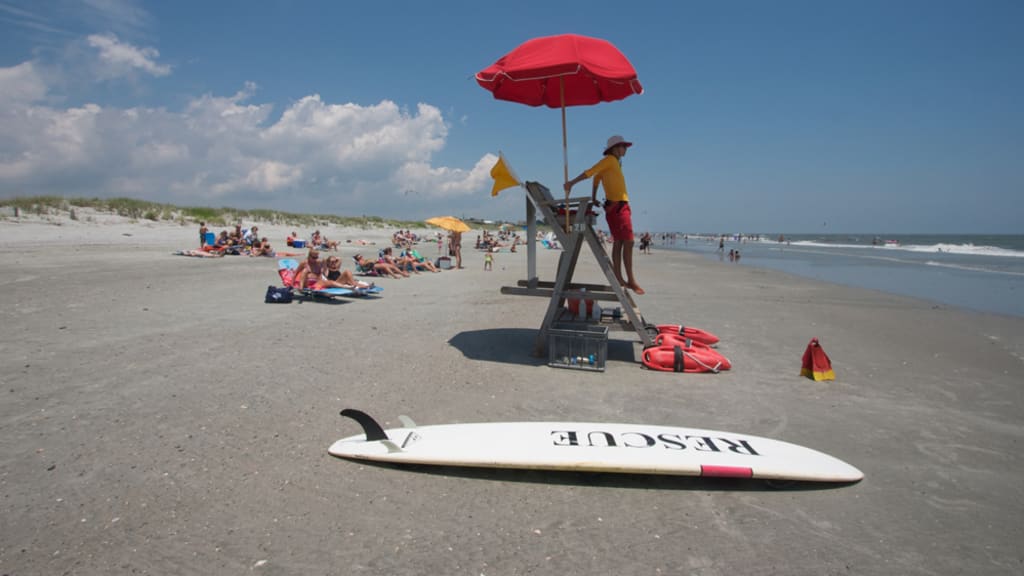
x=609, y=171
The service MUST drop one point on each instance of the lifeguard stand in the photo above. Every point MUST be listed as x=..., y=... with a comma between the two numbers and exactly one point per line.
x=581, y=229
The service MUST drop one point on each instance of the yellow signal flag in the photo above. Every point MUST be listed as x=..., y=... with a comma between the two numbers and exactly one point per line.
x=503, y=176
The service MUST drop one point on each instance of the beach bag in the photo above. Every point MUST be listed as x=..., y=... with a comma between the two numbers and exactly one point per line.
x=277, y=295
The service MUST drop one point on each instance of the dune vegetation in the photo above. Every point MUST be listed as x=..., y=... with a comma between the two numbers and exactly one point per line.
x=155, y=211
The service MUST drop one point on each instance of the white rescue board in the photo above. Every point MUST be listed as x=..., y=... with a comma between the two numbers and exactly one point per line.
x=592, y=447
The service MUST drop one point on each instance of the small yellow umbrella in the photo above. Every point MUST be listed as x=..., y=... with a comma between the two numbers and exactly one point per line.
x=449, y=223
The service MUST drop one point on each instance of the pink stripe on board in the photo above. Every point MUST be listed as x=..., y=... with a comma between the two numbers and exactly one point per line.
x=726, y=471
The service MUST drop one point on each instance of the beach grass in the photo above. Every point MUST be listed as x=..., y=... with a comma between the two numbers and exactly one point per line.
x=142, y=210
x=156, y=211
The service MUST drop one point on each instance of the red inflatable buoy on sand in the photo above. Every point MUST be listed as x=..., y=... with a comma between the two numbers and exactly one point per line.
x=669, y=339
x=695, y=334
x=679, y=358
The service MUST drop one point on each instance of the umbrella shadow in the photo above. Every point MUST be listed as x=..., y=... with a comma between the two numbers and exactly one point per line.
x=515, y=346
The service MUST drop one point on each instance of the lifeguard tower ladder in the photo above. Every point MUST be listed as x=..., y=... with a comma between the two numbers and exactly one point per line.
x=581, y=229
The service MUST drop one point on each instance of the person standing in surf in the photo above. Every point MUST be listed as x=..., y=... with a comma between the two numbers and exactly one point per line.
x=616, y=207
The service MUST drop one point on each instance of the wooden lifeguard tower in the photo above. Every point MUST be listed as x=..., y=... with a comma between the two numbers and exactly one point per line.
x=581, y=230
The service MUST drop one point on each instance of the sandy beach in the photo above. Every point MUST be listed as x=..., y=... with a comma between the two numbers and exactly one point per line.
x=160, y=418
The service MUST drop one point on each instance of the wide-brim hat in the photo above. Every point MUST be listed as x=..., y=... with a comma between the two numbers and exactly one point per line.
x=615, y=141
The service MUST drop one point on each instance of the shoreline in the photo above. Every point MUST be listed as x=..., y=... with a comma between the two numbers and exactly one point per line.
x=944, y=279
x=160, y=418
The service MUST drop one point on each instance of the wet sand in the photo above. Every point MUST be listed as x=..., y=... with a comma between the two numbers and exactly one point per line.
x=159, y=418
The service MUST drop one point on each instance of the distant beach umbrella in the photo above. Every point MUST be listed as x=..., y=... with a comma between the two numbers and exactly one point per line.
x=450, y=223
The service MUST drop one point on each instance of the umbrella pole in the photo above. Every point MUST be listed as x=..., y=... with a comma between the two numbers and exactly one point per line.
x=565, y=149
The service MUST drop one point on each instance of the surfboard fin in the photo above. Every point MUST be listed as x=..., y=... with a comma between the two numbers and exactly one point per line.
x=391, y=446
x=370, y=426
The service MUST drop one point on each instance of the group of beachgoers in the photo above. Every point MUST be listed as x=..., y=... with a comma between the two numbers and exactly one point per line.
x=319, y=274
x=491, y=242
x=407, y=262
x=402, y=260
x=236, y=241
x=316, y=240
x=404, y=238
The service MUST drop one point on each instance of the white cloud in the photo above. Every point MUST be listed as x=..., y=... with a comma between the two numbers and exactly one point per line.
x=21, y=84
x=442, y=181
x=122, y=15
x=344, y=158
x=121, y=59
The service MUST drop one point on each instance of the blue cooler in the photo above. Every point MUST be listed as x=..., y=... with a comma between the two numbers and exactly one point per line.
x=298, y=243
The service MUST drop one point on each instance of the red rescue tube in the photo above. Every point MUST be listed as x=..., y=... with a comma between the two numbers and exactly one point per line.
x=695, y=334
x=676, y=358
x=669, y=339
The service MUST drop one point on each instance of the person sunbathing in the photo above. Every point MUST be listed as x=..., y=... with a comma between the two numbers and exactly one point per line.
x=403, y=263
x=382, y=268
x=334, y=277
x=419, y=261
x=261, y=247
x=320, y=241
x=201, y=253
x=309, y=271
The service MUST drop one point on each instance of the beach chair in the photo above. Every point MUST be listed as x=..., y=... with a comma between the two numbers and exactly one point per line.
x=286, y=268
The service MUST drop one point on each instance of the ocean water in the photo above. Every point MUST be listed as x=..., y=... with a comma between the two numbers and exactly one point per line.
x=976, y=272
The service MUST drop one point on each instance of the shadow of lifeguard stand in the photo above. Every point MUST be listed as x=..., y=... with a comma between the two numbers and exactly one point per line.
x=580, y=231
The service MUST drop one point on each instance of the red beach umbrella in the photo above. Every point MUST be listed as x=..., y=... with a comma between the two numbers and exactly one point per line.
x=559, y=71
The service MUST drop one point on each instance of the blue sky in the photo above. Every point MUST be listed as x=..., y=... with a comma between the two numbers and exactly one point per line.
x=860, y=117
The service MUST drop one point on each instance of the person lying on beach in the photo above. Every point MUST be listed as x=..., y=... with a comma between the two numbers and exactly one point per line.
x=334, y=277
x=201, y=253
x=310, y=270
x=381, y=268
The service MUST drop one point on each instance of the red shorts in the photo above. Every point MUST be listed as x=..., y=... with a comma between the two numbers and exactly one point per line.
x=620, y=221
